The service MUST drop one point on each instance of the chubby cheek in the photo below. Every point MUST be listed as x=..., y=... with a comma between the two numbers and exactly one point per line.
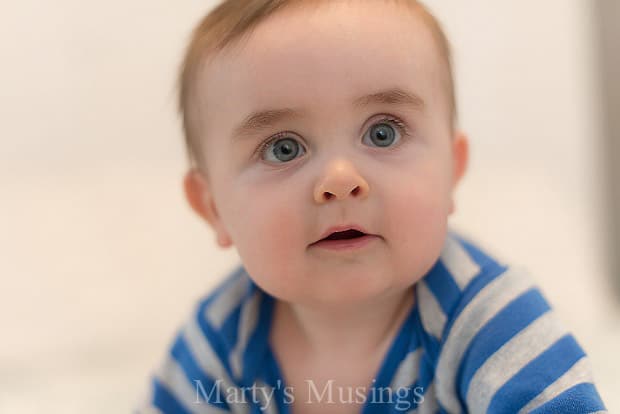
x=269, y=236
x=417, y=224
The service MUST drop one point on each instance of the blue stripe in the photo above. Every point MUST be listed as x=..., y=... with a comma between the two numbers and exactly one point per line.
x=230, y=328
x=404, y=342
x=398, y=350
x=427, y=372
x=582, y=398
x=222, y=343
x=507, y=323
x=224, y=285
x=441, y=410
x=415, y=340
x=532, y=379
x=480, y=257
x=165, y=401
x=428, y=341
x=229, y=332
x=411, y=400
x=478, y=283
x=443, y=286
x=254, y=353
x=428, y=356
x=428, y=347
x=405, y=399
x=420, y=384
x=395, y=355
x=182, y=354
x=273, y=377
x=212, y=337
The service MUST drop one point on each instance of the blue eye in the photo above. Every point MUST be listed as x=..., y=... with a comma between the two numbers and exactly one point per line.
x=283, y=148
x=383, y=134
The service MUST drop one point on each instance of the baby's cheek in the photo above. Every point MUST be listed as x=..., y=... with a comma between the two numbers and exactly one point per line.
x=418, y=201
x=417, y=224
x=285, y=239
x=270, y=243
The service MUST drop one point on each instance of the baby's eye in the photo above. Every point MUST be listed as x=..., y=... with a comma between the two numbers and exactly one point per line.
x=383, y=134
x=281, y=150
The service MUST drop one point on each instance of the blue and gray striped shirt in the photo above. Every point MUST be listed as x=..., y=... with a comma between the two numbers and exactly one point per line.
x=480, y=338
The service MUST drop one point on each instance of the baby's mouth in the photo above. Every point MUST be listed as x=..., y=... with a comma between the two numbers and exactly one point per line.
x=344, y=241
x=347, y=234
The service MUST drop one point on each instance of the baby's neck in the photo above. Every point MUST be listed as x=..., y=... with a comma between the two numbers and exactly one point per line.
x=359, y=329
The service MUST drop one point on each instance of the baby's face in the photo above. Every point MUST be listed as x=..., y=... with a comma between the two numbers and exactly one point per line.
x=346, y=156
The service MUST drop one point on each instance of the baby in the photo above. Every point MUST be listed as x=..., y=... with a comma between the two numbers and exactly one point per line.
x=323, y=145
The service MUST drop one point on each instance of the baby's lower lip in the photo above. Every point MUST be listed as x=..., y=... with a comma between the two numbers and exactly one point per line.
x=345, y=244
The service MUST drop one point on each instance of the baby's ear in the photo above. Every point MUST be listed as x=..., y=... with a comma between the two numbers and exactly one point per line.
x=460, y=155
x=200, y=198
x=460, y=158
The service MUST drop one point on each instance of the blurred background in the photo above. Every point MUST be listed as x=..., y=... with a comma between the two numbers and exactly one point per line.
x=101, y=258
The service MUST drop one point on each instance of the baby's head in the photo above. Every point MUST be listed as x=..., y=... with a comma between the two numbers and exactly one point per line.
x=302, y=116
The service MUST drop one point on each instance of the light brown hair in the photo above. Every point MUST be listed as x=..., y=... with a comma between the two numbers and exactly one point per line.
x=232, y=21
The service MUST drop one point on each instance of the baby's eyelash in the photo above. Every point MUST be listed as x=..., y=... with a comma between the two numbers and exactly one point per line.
x=262, y=147
x=399, y=124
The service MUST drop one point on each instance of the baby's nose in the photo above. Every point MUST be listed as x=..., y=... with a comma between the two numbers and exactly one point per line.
x=340, y=181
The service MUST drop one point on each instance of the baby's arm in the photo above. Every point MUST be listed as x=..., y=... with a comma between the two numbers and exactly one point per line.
x=186, y=380
x=195, y=375
x=504, y=352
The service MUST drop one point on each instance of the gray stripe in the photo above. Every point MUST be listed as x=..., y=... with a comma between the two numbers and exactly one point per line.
x=268, y=406
x=431, y=313
x=172, y=376
x=511, y=358
x=247, y=324
x=208, y=360
x=429, y=405
x=580, y=372
x=407, y=371
x=458, y=262
x=202, y=351
x=485, y=305
x=227, y=300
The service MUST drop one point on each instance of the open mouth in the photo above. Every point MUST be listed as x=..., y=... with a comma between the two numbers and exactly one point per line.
x=345, y=240
x=343, y=235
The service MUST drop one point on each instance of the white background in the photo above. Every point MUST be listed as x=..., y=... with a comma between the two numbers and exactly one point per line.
x=101, y=258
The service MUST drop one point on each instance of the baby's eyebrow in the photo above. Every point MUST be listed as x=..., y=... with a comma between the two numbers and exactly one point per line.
x=261, y=120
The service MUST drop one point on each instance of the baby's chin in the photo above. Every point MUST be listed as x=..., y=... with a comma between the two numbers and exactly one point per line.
x=352, y=287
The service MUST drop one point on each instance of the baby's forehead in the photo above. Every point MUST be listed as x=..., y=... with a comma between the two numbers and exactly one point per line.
x=230, y=40
x=400, y=24
x=333, y=56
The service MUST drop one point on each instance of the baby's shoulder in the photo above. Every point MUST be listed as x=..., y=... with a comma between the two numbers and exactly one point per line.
x=495, y=341
x=465, y=274
x=219, y=304
x=228, y=313
x=203, y=357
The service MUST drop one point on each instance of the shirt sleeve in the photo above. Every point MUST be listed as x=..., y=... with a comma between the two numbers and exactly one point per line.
x=504, y=351
x=191, y=378
x=195, y=375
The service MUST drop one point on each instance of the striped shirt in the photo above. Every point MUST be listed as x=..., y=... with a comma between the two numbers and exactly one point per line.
x=480, y=338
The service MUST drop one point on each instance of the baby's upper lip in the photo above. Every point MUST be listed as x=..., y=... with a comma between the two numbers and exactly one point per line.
x=344, y=227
